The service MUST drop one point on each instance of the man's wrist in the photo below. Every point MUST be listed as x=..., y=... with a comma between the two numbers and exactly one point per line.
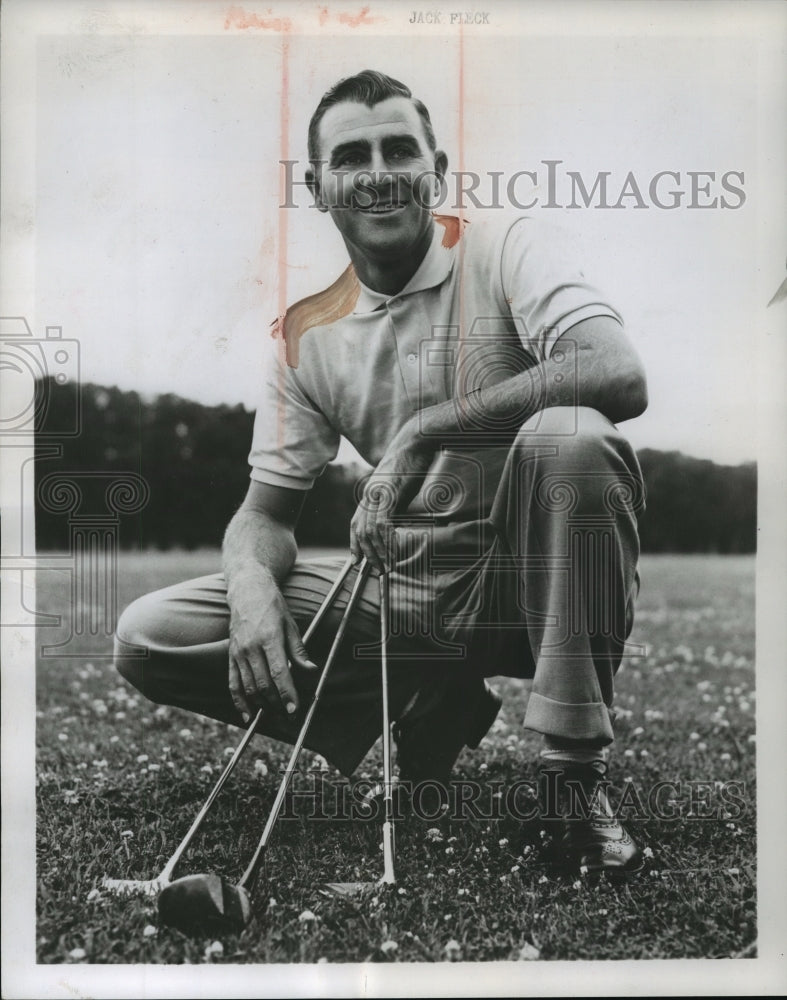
x=247, y=578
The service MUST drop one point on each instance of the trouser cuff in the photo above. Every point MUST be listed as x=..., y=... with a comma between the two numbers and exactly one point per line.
x=587, y=721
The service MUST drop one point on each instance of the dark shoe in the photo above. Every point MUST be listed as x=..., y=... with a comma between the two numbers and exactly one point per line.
x=431, y=733
x=590, y=839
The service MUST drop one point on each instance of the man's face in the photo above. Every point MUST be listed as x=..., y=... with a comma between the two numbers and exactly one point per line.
x=377, y=177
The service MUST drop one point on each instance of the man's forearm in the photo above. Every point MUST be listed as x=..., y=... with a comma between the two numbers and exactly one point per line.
x=257, y=548
x=577, y=374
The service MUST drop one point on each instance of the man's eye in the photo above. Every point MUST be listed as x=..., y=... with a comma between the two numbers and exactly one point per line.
x=349, y=160
x=401, y=153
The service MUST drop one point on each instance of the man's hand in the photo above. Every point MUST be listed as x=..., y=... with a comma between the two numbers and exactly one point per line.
x=264, y=641
x=389, y=489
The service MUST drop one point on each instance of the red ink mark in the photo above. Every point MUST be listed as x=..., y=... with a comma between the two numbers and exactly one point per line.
x=351, y=20
x=237, y=17
x=454, y=227
x=320, y=309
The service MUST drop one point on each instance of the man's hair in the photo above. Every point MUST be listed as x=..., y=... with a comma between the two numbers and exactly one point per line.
x=367, y=87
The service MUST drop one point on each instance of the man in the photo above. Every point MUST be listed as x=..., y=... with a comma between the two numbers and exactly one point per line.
x=481, y=375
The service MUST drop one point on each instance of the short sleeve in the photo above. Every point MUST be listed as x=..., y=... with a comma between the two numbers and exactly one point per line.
x=293, y=441
x=546, y=285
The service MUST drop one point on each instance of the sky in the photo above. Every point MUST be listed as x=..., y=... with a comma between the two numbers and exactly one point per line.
x=158, y=232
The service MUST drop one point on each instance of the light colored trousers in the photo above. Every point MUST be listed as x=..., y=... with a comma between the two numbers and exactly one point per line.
x=541, y=588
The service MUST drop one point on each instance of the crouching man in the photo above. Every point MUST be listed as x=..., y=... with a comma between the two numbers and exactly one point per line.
x=482, y=376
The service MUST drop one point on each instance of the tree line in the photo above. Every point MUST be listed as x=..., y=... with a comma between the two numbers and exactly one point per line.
x=193, y=459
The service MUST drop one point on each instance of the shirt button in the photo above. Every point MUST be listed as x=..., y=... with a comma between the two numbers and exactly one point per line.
x=411, y=359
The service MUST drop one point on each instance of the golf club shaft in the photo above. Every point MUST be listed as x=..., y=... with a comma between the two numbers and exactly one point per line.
x=285, y=782
x=200, y=817
x=388, y=839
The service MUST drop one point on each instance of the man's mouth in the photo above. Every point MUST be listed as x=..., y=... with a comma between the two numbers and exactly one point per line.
x=385, y=209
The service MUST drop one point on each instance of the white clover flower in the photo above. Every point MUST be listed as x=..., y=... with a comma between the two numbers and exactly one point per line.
x=214, y=948
x=93, y=894
x=207, y=769
x=542, y=880
x=149, y=931
x=647, y=852
x=185, y=734
x=528, y=953
x=141, y=758
x=77, y=954
x=451, y=871
x=702, y=746
x=307, y=917
x=63, y=737
x=402, y=892
x=503, y=842
x=638, y=731
x=453, y=951
x=449, y=850
x=725, y=756
x=120, y=716
x=576, y=885
x=694, y=736
x=433, y=835
x=389, y=946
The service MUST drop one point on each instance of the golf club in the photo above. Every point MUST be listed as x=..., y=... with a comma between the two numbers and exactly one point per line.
x=151, y=887
x=388, y=877
x=210, y=898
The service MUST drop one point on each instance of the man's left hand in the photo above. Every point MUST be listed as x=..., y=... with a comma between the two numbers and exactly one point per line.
x=388, y=491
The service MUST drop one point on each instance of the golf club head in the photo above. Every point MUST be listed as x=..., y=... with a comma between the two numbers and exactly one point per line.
x=204, y=899
x=134, y=887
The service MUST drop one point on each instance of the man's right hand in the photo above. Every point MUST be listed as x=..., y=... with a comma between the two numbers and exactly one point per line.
x=264, y=641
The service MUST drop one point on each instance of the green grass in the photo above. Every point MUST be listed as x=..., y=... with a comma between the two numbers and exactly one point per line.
x=109, y=763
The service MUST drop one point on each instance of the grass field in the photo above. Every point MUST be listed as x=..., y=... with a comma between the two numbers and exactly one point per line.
x=119, y=780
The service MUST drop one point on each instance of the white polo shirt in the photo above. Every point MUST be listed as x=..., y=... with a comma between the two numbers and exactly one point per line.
x=473, y=314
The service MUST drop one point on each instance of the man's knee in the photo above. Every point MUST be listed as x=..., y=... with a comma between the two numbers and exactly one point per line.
x=135, y=633
x=574, y=457
x=568, y=431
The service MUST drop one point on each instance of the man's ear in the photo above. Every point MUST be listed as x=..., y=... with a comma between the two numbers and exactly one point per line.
x=440, y=163
x=314, y=186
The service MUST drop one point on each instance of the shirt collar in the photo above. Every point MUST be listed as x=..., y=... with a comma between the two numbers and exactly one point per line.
x=433, y=270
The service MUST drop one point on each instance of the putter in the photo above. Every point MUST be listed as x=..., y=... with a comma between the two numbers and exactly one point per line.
x=210, y=898
x=388, y=877
x=151, y=887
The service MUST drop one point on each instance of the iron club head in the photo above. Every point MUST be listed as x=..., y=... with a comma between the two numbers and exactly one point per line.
x=204, y=899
